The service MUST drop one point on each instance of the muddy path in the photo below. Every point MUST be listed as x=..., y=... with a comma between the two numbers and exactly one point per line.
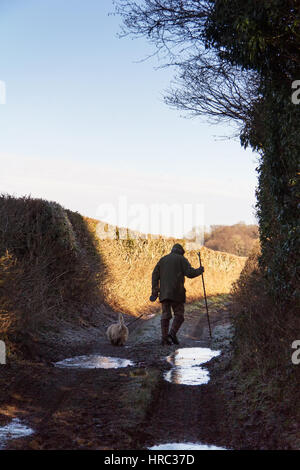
x=189, y=413
x=131, y=407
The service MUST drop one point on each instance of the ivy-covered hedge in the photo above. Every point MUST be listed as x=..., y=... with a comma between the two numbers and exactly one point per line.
x=264, y=37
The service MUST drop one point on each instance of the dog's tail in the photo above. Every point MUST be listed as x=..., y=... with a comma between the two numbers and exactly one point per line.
x=121, y=319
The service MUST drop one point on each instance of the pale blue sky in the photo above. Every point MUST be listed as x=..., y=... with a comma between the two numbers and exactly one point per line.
x=84, y=121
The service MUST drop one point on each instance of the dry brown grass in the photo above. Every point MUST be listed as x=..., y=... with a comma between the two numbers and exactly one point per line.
x=127, y=284
x=266, y=382
x=54, y=268
x=264, y=329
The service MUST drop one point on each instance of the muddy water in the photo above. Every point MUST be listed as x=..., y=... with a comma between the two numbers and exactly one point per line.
x=94, y=361
x=187, y=366
x=13, y=430
x=187, y=369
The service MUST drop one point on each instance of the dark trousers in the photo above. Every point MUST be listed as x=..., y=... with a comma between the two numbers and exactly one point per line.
x=168, y=306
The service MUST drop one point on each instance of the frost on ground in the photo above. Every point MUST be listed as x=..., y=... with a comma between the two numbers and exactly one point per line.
x=13, y=430
x=185, y=446
x=222, y=337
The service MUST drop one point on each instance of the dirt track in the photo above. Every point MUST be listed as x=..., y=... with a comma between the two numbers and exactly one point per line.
x=130, y=408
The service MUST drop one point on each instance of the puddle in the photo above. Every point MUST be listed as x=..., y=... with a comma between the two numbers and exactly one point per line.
x=94, y=361
x=185, y=446
x=13, y=430
x=187, y=368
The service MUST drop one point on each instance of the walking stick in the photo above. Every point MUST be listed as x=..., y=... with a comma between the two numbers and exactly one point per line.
x=204, y=291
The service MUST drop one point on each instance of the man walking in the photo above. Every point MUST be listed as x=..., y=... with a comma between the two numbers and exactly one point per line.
x=168, y=282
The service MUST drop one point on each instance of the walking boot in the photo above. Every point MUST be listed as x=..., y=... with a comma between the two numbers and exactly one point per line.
x=165, y=341
x=176, y=324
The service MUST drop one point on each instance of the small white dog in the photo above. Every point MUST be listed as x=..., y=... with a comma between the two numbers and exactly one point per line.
x=117, y=333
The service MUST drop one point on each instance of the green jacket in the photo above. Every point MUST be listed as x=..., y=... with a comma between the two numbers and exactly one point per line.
x=168, y=275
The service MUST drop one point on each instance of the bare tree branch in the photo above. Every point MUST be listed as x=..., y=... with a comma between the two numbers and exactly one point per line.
x=204, y=84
